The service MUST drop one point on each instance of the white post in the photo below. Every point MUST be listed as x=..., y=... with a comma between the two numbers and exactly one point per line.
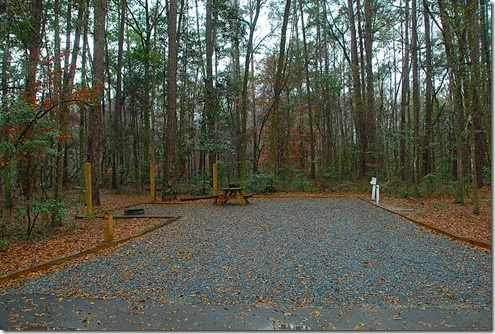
x=373, y=187
x=377, y=194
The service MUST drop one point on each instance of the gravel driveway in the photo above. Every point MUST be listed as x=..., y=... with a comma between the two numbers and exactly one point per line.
x=290, y=253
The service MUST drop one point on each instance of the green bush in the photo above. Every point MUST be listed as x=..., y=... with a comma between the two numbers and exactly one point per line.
x=346, y=185
x=34, y=209
x=432, y=182
x=301, y=182
x=260, y=183
x=57, y=211
x=200, y=184
x=223, y=174
x=487, y=175
x=3, y=242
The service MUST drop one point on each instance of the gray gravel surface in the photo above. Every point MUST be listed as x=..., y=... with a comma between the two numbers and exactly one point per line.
x=285, y=252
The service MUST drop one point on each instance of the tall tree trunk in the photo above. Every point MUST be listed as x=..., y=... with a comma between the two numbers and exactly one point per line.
x=5, y=109
x=485, y=72
x=59, y=94
x=370, y=94
x=249, y=54
x=83, y=154
x=475, y=84
x=415, y=92
x=404, y=93
x=65, y=92
x=427, y=168
x=253, y=112
x=474, y=101
x=274, y=134
x=117, y=138
x=94, y=135
x=31, y=88
x=238, y=93
x=356, y=86
x=171, y=94
x=456, y=89
x=312, y=173
x=210, y=104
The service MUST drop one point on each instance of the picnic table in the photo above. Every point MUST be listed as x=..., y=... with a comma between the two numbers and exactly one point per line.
x=231, y=193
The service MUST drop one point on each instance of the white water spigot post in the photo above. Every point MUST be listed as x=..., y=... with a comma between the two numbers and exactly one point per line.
x=373, y=187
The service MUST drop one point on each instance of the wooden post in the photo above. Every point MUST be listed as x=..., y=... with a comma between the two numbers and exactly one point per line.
x=152, y=183
x=215, y=180
x=108, y=228
x=89, y=191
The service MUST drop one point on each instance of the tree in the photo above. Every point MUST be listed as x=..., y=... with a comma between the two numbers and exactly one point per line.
x=415, y=91
x=356, y=85
x=370, y=93
x=456, y=91
x=171, y=92
x=94, y=136
x=404, y=93
x=427, y=163
x=249, y=54
x=474, y=101
x=30, y=90
x=312, y=172
x=117, y=147
x=210, y=103
x=274, y=134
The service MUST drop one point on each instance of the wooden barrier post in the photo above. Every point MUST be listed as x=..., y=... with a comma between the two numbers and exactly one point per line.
x=89, y=191
x=152, y=183
x=108, y=228
x=215, y=180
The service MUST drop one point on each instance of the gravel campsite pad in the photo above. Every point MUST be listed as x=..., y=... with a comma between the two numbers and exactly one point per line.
x=284, y=253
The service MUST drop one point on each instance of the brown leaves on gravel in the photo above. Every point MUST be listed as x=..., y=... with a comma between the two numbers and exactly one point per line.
x=68, y=239
x=89, y=234
x=440, y=211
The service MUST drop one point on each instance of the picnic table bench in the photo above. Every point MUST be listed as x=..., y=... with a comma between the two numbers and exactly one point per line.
x=231, y=193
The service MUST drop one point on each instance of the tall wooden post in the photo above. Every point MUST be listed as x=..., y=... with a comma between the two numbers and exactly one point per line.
x=108, y=228
x=89, y=191
x=152, y=183
x=215, y=179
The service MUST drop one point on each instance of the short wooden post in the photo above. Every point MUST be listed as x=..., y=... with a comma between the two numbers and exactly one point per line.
x=89, y=191
x=152, y=183
x=108, y=228
x=215, y=180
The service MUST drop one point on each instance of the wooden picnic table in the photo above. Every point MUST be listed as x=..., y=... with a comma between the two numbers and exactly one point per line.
x=231, y=193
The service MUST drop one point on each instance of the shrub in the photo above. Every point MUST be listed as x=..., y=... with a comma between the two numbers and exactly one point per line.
x=35, y=209
x=346, y=185
x=3, y=242
x=487, y=175
x=260, y=183
x=200, y=183
x=57, y=211
x=431, y=182
x=301, y=182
